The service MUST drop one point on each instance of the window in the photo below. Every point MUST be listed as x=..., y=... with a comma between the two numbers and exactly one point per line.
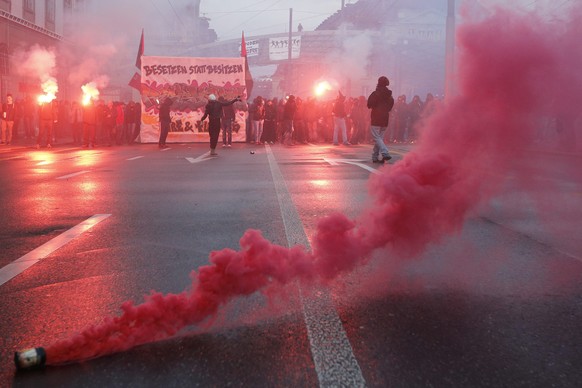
x=29, y=6
x=6, y=5
x=50, y=12
x=28, y=10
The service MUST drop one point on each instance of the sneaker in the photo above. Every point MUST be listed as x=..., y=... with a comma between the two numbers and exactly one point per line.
x=229, y=145
x=347, y=143
x=386, y=157
x=224, y=145
x=381, y=161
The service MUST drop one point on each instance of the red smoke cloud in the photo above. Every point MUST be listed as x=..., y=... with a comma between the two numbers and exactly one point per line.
x=512, y=69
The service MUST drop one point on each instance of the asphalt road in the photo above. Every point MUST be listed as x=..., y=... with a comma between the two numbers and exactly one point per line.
x=498, y=304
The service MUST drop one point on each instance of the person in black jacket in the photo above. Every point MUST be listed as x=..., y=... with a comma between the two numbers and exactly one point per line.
x=380, y=102
x=165, y=121
x=213, y=110
x=289, y=110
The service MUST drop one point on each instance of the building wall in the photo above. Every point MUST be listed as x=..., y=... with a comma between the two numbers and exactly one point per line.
x=21, y=29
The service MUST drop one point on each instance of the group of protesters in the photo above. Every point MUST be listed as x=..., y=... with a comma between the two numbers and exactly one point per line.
x=291, y=120
x=46, y=123
x=326, y=121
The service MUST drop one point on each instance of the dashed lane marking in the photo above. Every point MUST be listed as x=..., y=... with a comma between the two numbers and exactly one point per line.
x=20, y=265
x=333, y=357
x=354, y=162
x=73, y=174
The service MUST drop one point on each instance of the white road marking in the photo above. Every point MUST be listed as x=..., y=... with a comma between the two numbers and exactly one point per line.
x=20, y=265
x=11, y=158
x=355, y=162
x=199, y=159
x=333, y=357
x=135, y=158
x=73, y=174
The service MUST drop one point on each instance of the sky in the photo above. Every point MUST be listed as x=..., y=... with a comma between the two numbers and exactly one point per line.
x=258, y=17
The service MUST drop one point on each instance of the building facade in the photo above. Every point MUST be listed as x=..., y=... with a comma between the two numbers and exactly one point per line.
x=24, y=24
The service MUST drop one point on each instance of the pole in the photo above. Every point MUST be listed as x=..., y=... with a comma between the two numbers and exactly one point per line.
x=450, y=51
x=290, y=53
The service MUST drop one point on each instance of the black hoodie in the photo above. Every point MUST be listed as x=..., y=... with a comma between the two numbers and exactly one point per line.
x=381, y=103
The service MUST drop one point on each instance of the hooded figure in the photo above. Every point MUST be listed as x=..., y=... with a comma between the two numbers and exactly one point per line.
x=381, y=103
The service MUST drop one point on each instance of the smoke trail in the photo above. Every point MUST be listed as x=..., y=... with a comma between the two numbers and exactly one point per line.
x=37, y=62
x=505, y=60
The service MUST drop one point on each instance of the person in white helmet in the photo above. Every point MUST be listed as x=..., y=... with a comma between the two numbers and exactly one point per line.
x=213, y=111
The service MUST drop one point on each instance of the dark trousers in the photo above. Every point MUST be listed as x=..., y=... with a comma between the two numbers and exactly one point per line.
x=214, y=131
x=89, y=134
x=28, y=128
x=227, y=131
x=77, y=132
x=45, y=130
x=269, y=133
x=164, y=129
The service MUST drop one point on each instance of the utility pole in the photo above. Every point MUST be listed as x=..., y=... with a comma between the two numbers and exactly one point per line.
x=450, y=51
x=290, y=53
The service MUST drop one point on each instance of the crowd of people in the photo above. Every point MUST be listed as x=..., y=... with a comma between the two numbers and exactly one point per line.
x=343, y=120
x=291, y=120
x=44, y=124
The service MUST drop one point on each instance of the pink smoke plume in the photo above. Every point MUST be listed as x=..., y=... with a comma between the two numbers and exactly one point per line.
x=511, y=69
x=36, y=62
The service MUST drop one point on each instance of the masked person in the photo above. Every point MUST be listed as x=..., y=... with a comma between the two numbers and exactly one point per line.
x=380, y=102
x=213, y=111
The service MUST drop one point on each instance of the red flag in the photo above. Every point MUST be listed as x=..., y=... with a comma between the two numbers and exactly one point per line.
x=135, y=82
x=140, y=51
x=248, y=76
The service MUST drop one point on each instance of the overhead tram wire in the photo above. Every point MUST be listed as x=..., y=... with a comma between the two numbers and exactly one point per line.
x=237, y=27
x=299, y=21
x=176, y=13
x=240, y=10
x=160, y=12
